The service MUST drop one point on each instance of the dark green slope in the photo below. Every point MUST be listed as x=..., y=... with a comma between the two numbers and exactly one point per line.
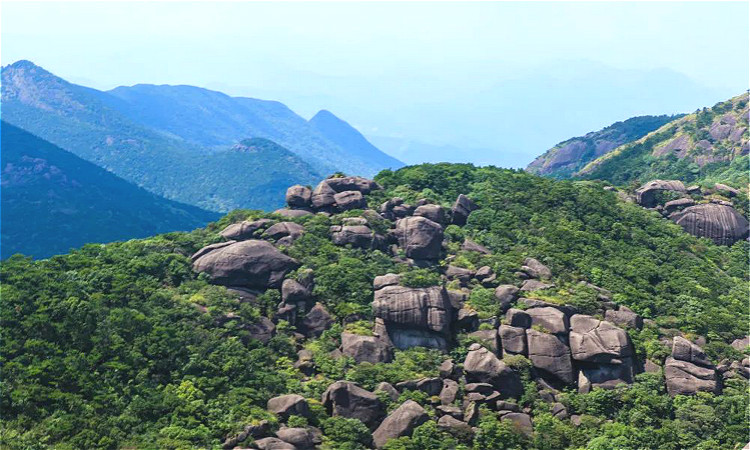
x=567, y=157
x=53, y=201
x=124, y=346
x=86, y=122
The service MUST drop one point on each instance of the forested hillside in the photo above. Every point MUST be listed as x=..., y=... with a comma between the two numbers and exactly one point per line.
x=53, y=201
x=440, y=307
x=568, y=157
x=708, y=146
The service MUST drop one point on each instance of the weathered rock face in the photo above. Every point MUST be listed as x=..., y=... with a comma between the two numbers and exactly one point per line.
x=482, y=366
x=250, y=263
x=506, y=294
x=521, y=421
x=292, y=291
x=401, y=422
x=605, y=376
x=414, y=316
x=455, y=427
x=244, y=230
x=624, y=317
x=359, y=184
x=471, y=246
x=358, y=236
x=674, y=205
x=349, y=200
x=322, y=196
x=536, y=269
x=292, y=213
x=301, y=438
x=513, y=340
x=459, y=273
x=316, y=321
x=370, y=349
x=720, y=223
x=646, y=194
x=284, y=229
x=299, y=196
x=449, y=391
x=594, y=340
x=420, y=237
x=388, y=389
x=288, y=405
x=551, y=319
x=461, y=210
x=741, y=344
x=261, y=330
x=684, y=350
x=346, y=399
x=685, y=378
x=435, y=213
x=272, y=443
x=551, y=354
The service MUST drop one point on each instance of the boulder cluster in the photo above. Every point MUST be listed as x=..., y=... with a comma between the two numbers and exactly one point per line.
x=705, y=213
x=565, y=348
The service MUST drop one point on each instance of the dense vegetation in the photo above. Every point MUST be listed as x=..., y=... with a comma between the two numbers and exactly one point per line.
x=708, y=146
x=570, y=156
x=53, y=201
x=122, y=345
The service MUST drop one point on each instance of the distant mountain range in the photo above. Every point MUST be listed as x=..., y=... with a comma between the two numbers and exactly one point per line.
x=567, y=157
x=53, y=201
x=175, y=141
x=710, y=145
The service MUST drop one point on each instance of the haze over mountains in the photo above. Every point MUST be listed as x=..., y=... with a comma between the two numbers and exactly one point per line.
x=173, y=140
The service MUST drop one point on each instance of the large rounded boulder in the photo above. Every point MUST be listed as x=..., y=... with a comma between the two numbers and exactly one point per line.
x=251, y=263
x=420, y=237
x=720, y=223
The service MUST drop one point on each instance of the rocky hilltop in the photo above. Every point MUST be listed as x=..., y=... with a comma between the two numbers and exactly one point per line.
x=710, y=144
x=570, y=156
x=436, y=307
x=564, y=347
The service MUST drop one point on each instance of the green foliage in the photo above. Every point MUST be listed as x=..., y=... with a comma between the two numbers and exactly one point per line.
x=497, y=434
x=425, y=437
x=420, y=278
x=345, y=434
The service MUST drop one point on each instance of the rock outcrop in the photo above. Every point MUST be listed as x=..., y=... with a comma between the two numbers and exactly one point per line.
x=646, y=194
x=550, y=353
x=688, y=370
x=482, y=366
x=720, y=223
x=421, y=238
x=370, y=349
x=401, y=422
x=251, y=263
x=414, y=316
x=289, y=405
x=346, y=399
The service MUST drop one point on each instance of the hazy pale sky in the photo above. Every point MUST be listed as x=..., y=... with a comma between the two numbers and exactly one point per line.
x=438, y=73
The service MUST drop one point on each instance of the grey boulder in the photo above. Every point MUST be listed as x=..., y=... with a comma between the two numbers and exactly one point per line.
x=298, y=196
x=462, y=207
x=720, y=223
x=420, y=237
x=251, y=263
x=370, y=349
x=346, y=399
x=483, y=366
x=550, y=354
x=594, y=340
x=401, y=422
x=289, y=405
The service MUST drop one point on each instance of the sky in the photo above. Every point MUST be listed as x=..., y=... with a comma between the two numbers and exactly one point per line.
x=488, y=82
